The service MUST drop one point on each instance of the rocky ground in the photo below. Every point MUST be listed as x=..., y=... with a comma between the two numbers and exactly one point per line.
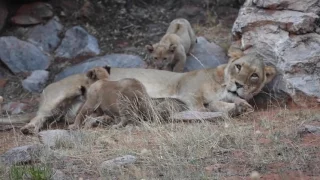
x=63, y=37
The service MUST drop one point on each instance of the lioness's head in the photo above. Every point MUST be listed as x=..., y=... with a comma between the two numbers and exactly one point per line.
x=97, y=73
x=247, y=75
x=161, y=55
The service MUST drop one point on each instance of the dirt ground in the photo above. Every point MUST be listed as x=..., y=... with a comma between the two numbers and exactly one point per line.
x=267, y=141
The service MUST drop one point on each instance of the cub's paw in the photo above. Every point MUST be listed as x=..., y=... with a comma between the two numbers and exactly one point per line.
x=243, y=107
x=73, y=127
x=30, y=129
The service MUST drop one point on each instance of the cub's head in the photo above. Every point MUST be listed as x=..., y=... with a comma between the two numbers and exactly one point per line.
x=247, y=75
x=98, y=73
x=161, y=55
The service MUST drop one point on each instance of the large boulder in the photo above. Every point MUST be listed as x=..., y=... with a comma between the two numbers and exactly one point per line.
x=77, y=43
x=283, y=32
x=21, y=56
x=112, y=60
x=205, y=55
x=46, y=36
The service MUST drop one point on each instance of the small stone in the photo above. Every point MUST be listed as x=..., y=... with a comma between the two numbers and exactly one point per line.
x=77, y=43
x=36, y=81
x=255, y=175
x=23, y=154
x=14, y=107
x=309, y=129
x=21, y=56
x=119, y=161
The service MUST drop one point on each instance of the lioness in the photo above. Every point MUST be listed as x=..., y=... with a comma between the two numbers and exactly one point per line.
x=224, y=88
x=62, y=97
x=125, y=99
x=171, y=52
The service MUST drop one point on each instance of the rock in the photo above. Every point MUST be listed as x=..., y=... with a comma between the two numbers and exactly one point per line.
x=32, y=13
x=21, y=56
x=286, y=40
x=303, y=6
x=23, y=154
x=309, y=129
x=61, y=138
x=59, y=175
x=14, y=107
x=3, y=15
x=46, y=36
x=3, y=82
x=291, y=21
x=112, y=60
x=116, y=162
x=207, y=55
x=77, y=43
x=36, y=81
x=196, y=115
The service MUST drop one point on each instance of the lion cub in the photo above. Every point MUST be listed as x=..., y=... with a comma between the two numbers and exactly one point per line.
x=125, y=99
x=172, y=50
x=58, y=99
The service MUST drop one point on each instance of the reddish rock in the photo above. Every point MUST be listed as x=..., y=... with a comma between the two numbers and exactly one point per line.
x=3, y=82
x=33, y=13
x=3, y=15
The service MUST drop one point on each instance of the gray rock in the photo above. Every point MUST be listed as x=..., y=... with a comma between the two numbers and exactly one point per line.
x=23, y=154
x=46, y=36
x=303, y=6
x=21, y=56
x=59, y=175
x=36, y=81
x=76, y=43
x=14, y=107
x=116, y=162
x=309, y=129
x=112, y=60
x=205, y=55
x=291, y=21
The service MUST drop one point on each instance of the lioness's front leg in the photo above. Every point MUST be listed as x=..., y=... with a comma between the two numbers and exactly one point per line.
x=239, y=106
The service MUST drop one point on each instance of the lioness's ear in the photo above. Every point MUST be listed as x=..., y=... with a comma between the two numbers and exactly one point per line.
x=149, y=47
x=172, y=47
x=107, y=68
x=270, y=73
x=91, y=74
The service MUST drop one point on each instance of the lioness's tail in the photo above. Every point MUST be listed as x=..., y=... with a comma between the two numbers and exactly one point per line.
x=16, y=119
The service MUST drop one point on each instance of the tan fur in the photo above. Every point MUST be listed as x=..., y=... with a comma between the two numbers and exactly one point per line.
x=121, y=99
x=172, y=50
x=58, y=97
x=225, y=88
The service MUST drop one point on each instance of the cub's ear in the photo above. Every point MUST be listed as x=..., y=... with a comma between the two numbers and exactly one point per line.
x=107, y=68
x=91, y=74
x=172, y=48
x=270, y=73
x=149, y=47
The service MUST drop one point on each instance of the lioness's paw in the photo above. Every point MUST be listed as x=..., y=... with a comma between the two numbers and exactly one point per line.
x=243, y=106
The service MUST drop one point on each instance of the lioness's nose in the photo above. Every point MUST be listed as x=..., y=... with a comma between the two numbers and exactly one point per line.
x=238, y=85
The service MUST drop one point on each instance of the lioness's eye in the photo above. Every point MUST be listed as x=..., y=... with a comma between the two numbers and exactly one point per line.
x=155, y=58
x=164, y=58
x=238, y=66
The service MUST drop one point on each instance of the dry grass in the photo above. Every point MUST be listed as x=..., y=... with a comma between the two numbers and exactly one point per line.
x=266, y=142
